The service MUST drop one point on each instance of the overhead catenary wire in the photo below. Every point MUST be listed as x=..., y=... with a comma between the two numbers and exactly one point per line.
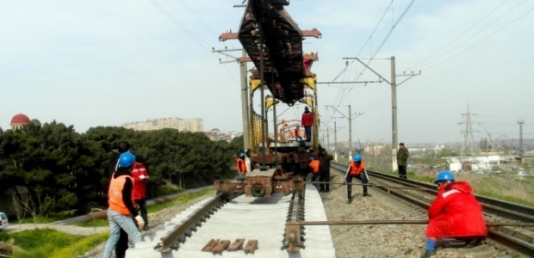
x=484, y=39
x=424, y=60
x=198, y=18
x=191, y=35
x=383, y=42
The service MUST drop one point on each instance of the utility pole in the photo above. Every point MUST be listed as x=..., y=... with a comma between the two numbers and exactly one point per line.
x=350, y=124
x=521, y=122
x=244, y=90
x=393, y=83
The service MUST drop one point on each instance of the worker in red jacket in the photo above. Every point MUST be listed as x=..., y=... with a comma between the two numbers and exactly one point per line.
x=140, y=176
x=307, y=123
x=455, y=213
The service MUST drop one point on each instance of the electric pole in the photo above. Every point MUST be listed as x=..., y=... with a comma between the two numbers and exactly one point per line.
x=244, y=90
x=394, y=85
x=350, y=124
x=521, y=122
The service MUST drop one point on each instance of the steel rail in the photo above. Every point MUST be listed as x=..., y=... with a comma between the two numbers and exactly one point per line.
x=179, y=233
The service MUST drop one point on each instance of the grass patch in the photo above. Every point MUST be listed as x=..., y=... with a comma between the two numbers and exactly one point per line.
x=182, y=199
x=40, y=220
x=92, y=223
x=41, y=243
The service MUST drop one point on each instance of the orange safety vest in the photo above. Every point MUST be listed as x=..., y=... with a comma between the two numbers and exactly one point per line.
x=314, y=164
x=356, y=170
x=115, y=195
x=241, y=166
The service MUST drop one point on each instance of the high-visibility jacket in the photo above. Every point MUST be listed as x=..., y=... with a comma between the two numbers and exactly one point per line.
x=241, y=166
x=456, y=213
x=115, y=195
x=356, y=170
x=139, y=174
x=314, y=164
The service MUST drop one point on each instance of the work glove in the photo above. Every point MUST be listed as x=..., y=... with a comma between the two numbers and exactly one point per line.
x=143, y=177
x=140, y=222
x=345, y=182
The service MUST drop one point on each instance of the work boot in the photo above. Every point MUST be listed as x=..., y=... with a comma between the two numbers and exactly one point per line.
x=350, y=200
x=428, y=254
x=365, y=194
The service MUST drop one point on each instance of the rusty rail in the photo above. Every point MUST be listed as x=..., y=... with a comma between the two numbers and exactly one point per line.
x=178, y=234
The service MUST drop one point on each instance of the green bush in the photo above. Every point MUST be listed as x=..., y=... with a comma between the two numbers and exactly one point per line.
x=42, y=243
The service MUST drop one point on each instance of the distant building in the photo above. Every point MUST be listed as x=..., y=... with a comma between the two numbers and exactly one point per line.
x=18, y=121
x=183, y=125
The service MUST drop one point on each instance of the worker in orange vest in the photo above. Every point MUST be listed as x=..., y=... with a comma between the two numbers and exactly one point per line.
x=314, y=167
x=356, y=169
x=122, y=207
x=241, y=165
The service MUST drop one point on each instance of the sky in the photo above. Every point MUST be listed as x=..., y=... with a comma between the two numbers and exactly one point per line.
x=106, y=63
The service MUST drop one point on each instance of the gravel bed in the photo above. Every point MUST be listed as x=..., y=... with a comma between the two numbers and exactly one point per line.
x=370, y=240
x=155, y=220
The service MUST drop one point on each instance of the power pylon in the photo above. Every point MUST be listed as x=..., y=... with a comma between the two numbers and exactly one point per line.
x=468, y=146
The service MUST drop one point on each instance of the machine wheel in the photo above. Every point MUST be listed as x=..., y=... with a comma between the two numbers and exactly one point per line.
x=257, y=190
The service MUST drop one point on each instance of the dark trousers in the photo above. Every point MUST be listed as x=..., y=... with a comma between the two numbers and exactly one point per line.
x=362, y=177
x=308, y=132
x=402, y=172
x=315, y=176
x=141, y=203
x=324, y=177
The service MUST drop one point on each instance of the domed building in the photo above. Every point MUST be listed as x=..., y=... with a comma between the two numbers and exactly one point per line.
x=18, y=121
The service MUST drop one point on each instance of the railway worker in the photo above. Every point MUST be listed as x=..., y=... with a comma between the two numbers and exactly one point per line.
x=122, y=244
x=324, y=170
x=455, y=213
x=297, y=134
x=314, y=168
x=140, y=176
x=240, y=165
x=122, y=206
x=402, y=160
x=307, y=122
x=356, y=169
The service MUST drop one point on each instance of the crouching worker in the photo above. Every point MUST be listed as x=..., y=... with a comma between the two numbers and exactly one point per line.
x=356, y=169
x=455, y=213
x=122, y=206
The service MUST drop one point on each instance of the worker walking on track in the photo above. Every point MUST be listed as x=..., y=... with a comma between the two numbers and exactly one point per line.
x=122, y=205
x=324, y=170
x=356, y=169
x=241, y=165
x=455, y=213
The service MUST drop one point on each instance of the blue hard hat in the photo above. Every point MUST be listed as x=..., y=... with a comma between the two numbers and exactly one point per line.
x=311, y=158
x=126, y=159
x=444, y=175
x=242, y=154
x=357, y=158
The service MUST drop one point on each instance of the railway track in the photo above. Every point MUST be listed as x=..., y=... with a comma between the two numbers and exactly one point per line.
x=503, y=241
x=241, y=227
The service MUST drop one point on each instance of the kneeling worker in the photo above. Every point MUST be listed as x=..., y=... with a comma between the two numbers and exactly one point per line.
x=455, y=213
x=356, y=169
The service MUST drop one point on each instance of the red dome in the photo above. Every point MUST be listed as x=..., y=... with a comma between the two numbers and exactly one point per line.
x=20, y=119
